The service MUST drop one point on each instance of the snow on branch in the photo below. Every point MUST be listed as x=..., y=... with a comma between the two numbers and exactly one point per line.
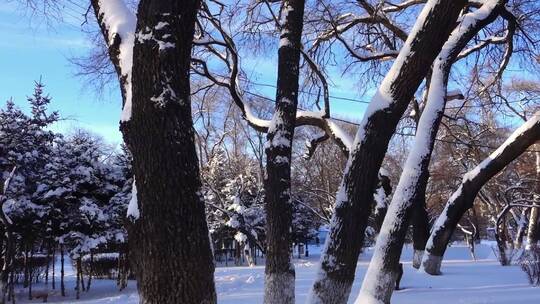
x=319, y=119
x=390, y=8
x=532, y=124
x=463, y=198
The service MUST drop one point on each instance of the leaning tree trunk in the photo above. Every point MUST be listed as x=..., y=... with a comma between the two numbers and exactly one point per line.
x=467, y=29
x=169, y=231
x=383, y=270
x=463, y=198
x=279, y=270
x=353, y=202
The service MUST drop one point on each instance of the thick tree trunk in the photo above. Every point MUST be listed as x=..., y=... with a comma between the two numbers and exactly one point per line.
x=353, y=203
x=463, y=198
x=171, y=231
x=279, y=270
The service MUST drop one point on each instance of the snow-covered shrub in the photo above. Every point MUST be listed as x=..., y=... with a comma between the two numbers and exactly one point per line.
x=530, y=264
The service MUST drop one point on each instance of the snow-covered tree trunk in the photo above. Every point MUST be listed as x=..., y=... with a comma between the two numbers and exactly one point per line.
x=279, y=270
x=463, y=198
x=353, y=202
x=380, y=279
x=169, y=229
x=533, y=234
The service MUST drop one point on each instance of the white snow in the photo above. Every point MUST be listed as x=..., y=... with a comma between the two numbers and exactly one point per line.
x=472, y=174
x=464, y=281
x=535, y=119
x=340, y=133
x=120, y=20
x=284, y=36
x=133, y=207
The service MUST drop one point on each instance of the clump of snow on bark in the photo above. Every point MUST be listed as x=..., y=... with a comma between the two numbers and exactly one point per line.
x=167, y=93
x=284, y=40
x=281, y=160
x=133, y=207
x=340, y=133
x=280, y=135
x=147, y=35
x=121, y=21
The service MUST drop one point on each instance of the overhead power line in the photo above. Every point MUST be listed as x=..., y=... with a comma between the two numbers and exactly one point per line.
x=402, y=134
x=311, y=93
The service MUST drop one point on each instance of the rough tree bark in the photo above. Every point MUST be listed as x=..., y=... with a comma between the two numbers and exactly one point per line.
x=279, y=270
x=379, y=282
x=353, y=203
x=463, y=198
x=169, y=229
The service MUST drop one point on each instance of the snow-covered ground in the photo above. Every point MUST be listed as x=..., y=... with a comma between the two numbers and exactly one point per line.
x=463, y=281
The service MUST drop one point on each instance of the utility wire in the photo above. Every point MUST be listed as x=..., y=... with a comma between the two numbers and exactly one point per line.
x=402, y=134
x=311, y=93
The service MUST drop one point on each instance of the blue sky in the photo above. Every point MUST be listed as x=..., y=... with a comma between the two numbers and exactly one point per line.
x=30, y=49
